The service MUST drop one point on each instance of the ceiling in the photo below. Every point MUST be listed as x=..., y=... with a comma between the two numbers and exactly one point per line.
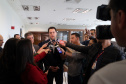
x=58, y=12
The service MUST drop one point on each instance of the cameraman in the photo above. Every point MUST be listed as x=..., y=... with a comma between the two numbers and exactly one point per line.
x=53, y=61
x=98, y=55
x=114, y=73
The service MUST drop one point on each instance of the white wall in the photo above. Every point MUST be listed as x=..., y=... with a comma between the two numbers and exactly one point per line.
x=8, y=18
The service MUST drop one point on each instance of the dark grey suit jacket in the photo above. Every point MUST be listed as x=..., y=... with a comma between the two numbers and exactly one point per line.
x=36, y=47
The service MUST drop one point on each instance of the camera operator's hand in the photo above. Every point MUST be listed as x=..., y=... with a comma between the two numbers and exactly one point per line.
x=54, y=69
x=88, y=32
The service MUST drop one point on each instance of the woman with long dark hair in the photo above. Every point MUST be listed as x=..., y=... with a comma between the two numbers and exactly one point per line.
x=7, y=63
x=25, y=63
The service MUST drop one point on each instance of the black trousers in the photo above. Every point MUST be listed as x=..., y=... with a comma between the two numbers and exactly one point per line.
x=58, y=76
x=75, y=79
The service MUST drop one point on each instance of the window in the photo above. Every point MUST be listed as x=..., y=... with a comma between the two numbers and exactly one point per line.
x=65, y=34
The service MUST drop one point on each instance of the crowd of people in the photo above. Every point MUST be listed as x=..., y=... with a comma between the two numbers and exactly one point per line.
x=93, y=61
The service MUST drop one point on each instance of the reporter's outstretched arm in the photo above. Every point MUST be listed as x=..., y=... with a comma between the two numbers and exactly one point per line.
x=40, y=56
x=83, y=49
x=42, y=48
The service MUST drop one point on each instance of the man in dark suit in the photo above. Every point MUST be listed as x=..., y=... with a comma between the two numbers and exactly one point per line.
x=31, y=37
x=53, y=62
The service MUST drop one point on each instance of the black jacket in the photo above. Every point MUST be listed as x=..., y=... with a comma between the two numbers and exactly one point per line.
x=8, y=76
x=1, y=50
x=111, y=54
x=42, y=43
x=51, y=59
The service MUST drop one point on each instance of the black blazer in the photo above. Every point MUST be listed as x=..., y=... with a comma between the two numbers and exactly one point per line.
x=42, y=43
x=1, y=49
x=36, y=47
x=51, y=59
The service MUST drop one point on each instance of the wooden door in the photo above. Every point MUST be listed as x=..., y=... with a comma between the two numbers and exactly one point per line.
x=44, y=36
x=39, y=37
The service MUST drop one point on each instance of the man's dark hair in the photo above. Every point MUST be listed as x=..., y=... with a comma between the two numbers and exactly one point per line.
x=92, y=30
x=15, y=35
x=51, y=28
x=27, y=34
x=76, y=34
x=116, y=5
x=94, y=40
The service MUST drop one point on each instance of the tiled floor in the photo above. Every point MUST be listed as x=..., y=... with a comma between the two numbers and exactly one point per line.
x=65, y=78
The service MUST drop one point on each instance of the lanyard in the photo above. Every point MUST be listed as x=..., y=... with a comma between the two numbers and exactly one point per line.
x=94, y=64
x=99, y=55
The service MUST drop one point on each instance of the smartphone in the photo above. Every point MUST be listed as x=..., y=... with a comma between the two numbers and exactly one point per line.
x=59, y=50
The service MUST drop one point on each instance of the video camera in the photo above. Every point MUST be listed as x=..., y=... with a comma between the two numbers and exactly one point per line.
x=103, y=31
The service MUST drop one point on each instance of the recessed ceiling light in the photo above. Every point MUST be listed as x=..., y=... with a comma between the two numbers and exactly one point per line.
x=81, y=10
x=31, y=23
x=30, y=8
x=36, y=18
x=36, y=8
x=68, y=19
x=72, y=1
x=29, y=18
x=25, y=7
x=37, y=23
x=86, y=10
